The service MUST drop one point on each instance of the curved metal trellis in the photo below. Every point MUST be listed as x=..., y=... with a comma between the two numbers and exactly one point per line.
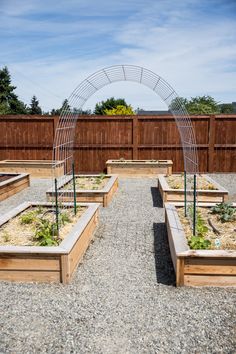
x=65, y=131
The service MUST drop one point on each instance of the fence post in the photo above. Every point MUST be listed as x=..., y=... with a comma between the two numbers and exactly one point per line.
x=135, y=137
x=211, y=144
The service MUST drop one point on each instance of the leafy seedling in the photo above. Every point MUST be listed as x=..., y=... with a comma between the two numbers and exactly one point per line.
x=225, y=211
x=46, y=233
x=29, y=218
x=199, y=243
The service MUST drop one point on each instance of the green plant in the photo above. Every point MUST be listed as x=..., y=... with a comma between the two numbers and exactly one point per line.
x=201, y=228
x=29, y=217
x=198, y=243
x=175, y=186
x=211, y=187
x=46, y=233
x=225, y=211
x=100, y=178
x=63, y=218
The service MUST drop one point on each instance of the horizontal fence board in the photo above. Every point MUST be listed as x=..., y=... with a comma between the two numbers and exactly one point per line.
x=100, y=138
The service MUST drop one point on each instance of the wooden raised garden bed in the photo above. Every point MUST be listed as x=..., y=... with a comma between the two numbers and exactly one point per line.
x=12, y=183
x=89, y=188
x=204, y=267
x=36, y=168
x=22, y=260
x=139, y=168
x=208, y=191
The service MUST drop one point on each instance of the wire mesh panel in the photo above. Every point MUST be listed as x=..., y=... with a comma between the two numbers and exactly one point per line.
x=65, y=132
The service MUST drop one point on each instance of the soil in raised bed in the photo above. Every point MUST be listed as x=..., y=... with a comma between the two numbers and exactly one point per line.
x=88, y=183
x=177, y=182
x=226, y=240
x=14, y=233
x=6, y=177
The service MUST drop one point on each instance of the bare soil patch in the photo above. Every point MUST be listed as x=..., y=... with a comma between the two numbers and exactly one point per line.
x=177, y=182
x=88, y=183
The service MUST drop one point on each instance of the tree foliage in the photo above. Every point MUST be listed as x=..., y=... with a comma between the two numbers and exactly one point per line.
x=203, y=105
x=226, y=108
x=58, y=111
x=109, y=104
x=196, y=105
x=34, y=106
x=120, y=110
x=9, y=102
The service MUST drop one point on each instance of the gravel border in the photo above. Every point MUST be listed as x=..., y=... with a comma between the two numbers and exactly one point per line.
x=122, y=298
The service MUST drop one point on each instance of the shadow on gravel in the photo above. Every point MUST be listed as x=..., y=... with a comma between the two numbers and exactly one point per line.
x=156, y=197
x=165, y=273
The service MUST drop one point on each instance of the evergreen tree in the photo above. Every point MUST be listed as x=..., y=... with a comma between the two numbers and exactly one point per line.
x=9, y=102
x=34, y=106
x=226, y=108
x=58, y=111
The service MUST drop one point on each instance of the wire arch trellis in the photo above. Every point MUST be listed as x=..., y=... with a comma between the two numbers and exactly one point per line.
x=65, y=131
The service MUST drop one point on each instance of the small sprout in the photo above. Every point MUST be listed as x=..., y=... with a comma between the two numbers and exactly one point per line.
x=64, y=218
x=211, y=187
x=29, y=217
x=6, y=236
x=176, y=186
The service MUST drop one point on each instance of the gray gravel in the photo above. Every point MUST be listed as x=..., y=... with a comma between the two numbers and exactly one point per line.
x=122, y=298
x=227, y=180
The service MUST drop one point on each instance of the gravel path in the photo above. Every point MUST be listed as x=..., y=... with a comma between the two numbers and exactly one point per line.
x=122, y=298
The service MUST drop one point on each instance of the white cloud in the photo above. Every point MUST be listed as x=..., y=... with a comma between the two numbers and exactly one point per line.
x=193, y=50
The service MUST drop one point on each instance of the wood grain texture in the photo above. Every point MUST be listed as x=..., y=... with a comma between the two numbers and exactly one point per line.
x=103, y=196
x=171, y=195
x=36, y=168
x=99, y=139
x=139, y=168
x=48, y=264
x=13, y=186
x=197, y=267
x=30, y=276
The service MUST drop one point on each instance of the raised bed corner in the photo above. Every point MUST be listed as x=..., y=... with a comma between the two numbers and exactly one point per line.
x=12, y=183
x=197, y=267
x=48, y=264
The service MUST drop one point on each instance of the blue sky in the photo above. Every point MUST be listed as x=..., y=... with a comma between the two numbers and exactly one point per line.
x=51, y=46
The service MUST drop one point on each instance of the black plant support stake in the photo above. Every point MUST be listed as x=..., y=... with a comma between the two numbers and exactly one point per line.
x=57, y=211
x=194, y=203
x=185, y=193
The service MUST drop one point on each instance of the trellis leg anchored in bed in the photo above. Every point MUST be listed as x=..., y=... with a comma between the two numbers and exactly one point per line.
x=74, y=187
x=56, y=205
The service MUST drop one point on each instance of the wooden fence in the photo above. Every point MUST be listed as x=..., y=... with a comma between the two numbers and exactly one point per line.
x=99, y=138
